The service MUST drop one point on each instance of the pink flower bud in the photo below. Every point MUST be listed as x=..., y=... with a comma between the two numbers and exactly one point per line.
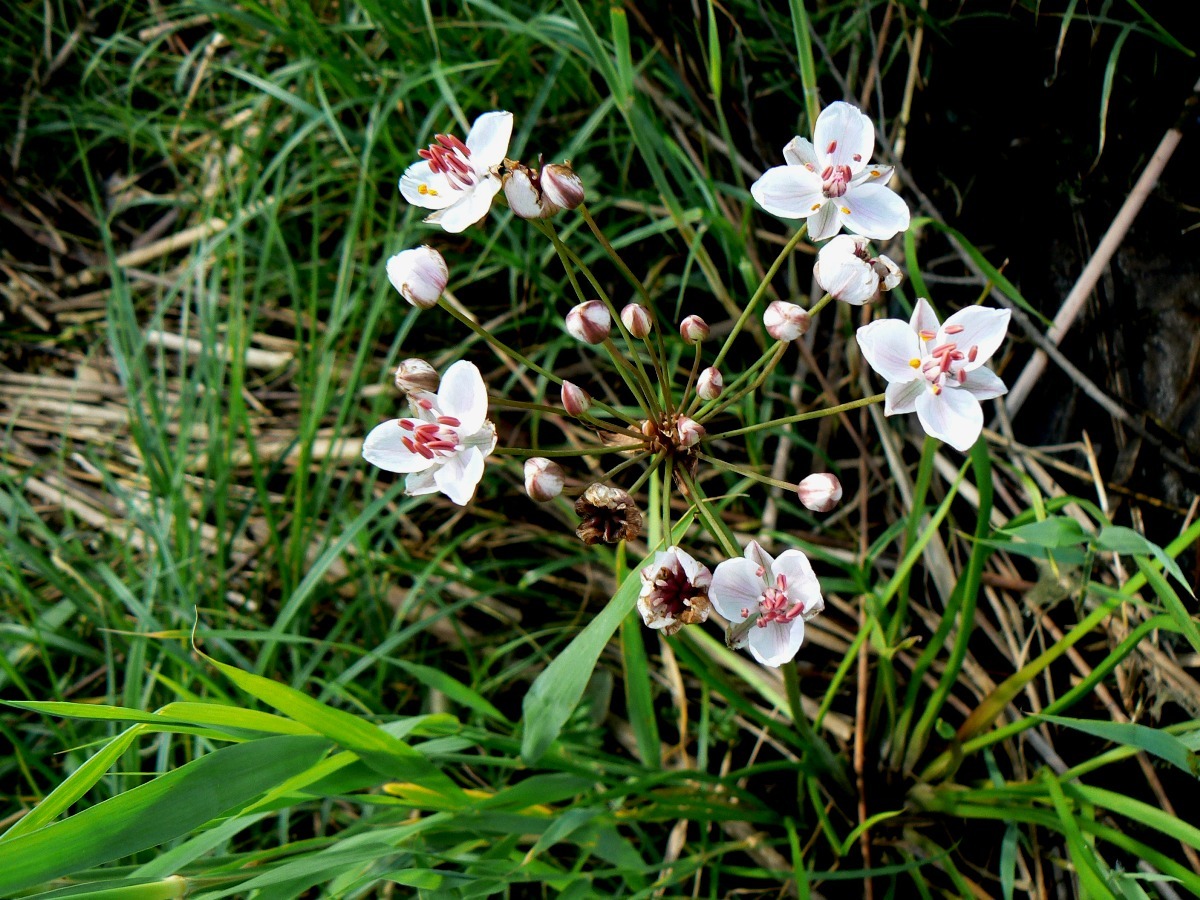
x=562, y=186
x=419, y=275
x=710, y=385
x=785, y=321
x=525, y=198
x=575, y=400
x=693, y=329
x=543, y=479
x=589, y=322
x=637, y=320
x=820, y=492
x=689, y=432
x=415, y=375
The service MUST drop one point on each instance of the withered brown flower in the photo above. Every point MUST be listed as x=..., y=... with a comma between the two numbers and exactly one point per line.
x=609, y=514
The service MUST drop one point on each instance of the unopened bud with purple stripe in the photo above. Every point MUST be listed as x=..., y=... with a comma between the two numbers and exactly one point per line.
x=711, y=384
x=589, y=322
x=575, y=400
x=543, y=479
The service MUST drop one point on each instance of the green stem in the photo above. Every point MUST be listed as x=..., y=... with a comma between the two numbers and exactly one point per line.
x=746, y=473
x=582, y=451
x=745, y=383
x=505, y=403
x=621, y=467
x=802, y=417
x=653, y=467
x=762, y=289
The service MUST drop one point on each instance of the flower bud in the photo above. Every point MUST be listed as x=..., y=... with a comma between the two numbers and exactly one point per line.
x=543, y=479
x=561, y=186
x=711, y=384
x=637, y=320
x=820, y=492
x=693, y=329
x=785, y=321
x=689, y=432
x=415, y=375
x=846, y=270
x=525, y=198
x=589, y=322
x=575, y=400
x=420, y=275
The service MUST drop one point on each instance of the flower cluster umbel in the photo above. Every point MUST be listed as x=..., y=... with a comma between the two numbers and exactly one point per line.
x=681, y=400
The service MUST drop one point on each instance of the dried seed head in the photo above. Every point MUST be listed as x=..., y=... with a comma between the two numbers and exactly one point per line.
x=589, y=322
x=608, y=514
x=420, y=275
x=543, y=479
x=711, y=384
x=637, y=320
x=693, y=329
x=415, y=375
x=785, y=321
x=575, y=400
x=820, y=492
x=562, y=186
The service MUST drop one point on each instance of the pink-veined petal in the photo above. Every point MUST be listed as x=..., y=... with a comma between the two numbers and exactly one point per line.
x=736, y=586
x=874, y=211
x=458, y=477
x=791, y=192
x=776, y=643
x=984, y=384
x=825, y=222
x=463, y=395
x=429, y=190
x=801, y=579
x=488, y=139
x=384, y=447
x=889, y=346
x=982, y=327
x=844, y=137
x=900, y=398
x=800, y=152
x=471, y=207
x=924, y=318
x=760, y=557
x=952, y=416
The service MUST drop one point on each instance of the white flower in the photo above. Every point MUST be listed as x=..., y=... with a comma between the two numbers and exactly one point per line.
x=785, y=321
x=938, y=371
x=846, y=270
x=674, y=591
x=773, y=597
x=820, y=492
x=443, y=447
x=832, y=184
x=458, y=180
x=419, y=275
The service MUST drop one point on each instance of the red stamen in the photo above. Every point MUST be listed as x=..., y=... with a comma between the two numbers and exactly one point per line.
x=832, y=146
x=449, y=420
x=952, y=329
x=454, y=143
x=973, y=353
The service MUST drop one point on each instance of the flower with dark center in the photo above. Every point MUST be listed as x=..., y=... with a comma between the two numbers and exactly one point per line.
x=674, y=591
x=608, y=514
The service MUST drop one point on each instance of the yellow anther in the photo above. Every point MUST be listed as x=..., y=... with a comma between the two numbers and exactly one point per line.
x=915, y=363
x=816, y=206
x=845, y=210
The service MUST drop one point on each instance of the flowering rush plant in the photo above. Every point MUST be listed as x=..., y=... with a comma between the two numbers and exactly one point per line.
x=683, y=393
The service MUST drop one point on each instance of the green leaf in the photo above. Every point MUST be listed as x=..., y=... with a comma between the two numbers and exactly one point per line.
x=1160, y=743
x=452, y=688
x=1119, y=539
x=1056, y=531
x=557, y=691
x=385, y=754
x=156, y=812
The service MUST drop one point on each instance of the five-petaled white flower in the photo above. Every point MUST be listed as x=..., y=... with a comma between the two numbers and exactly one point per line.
x=767, y=601
x=458, y=180
x=938, y=371
x=832, y=183
x=443, y=447
x=847, y=271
